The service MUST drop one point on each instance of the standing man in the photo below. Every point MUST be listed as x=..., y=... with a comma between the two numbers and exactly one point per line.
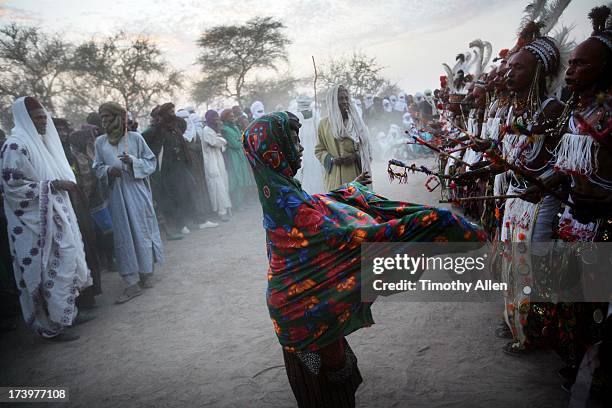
x=46, y=245
x=123, y=163
x=343, y=146
x=213, y=146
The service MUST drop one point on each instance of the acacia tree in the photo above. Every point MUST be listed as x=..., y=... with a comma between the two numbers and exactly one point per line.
x=129, y=71
x=229, y=53
x=31, y=63
x=272, y=91
x=359, y=73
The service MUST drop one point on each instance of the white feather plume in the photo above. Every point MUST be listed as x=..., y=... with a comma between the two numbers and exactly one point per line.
x=552, y=14
x=450, y=76
x=533, y=12
x=565, y=46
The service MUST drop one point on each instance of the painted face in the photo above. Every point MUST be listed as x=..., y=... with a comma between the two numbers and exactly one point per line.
x=522, y=68
x=586, y=65
x=39, y=118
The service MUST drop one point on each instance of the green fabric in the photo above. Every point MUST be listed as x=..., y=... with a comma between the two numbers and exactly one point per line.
x=239, y=172
x=117, y=128
x=314, y=242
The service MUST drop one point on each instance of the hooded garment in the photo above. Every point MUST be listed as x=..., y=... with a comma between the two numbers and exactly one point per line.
x=387, y=105
x=46, y=244
x=313, y=241
x=117, y=128
x=190, y=132
x=257, y=109
x=400, y=104
x=354, y=128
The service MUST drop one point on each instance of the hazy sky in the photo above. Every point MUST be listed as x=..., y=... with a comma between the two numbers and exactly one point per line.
x=409, y=38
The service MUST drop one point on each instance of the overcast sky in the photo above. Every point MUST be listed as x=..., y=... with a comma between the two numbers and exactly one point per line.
x=410, y=38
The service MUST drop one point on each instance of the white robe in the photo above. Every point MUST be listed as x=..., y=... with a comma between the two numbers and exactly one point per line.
x=138, y=244
x=45, y=240
x=217, y=182
x=310, y=175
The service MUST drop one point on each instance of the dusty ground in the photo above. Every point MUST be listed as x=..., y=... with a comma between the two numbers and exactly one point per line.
x=202, y=337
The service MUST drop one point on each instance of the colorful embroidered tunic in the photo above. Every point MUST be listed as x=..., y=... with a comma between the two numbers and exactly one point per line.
x=313, y=242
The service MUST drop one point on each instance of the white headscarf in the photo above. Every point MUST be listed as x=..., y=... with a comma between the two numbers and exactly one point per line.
x=303, y=102
x=354, y=128
x=407, y=120
x=357, y=103
x=387, y=105
x=257, y=109
x=400, y=104
x=46, y=151
x=190, y=132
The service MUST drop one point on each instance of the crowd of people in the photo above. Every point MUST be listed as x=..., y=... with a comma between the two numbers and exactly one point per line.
x=77, y=202
x=524, y=149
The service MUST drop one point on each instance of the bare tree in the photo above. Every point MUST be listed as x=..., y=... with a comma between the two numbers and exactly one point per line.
x=129, y=71
x=231, y=52
x=359, y=73
x=31, y=63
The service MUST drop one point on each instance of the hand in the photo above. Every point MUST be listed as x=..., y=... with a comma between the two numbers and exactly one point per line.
x=364, y=178
x=533, y=194
x=114, y=172
x=126, y=158
x=65, y=185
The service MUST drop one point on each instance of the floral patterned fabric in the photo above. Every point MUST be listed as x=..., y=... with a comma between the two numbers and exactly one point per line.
x=313, y=242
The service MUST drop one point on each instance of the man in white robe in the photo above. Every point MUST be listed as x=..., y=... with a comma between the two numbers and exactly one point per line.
x=217, y=181
x=46, y=244
x=310, y=175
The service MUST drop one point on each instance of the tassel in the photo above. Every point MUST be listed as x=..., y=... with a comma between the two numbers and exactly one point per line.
x=575, y=154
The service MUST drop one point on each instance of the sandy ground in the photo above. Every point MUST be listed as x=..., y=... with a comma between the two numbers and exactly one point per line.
x=202, y=337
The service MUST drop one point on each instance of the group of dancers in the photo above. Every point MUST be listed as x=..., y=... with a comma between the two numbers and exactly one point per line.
x=525, y=149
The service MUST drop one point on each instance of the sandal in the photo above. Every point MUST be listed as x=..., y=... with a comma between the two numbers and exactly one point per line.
x=129, y=293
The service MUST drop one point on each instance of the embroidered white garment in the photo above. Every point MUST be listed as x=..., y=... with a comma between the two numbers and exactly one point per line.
x=46, y=244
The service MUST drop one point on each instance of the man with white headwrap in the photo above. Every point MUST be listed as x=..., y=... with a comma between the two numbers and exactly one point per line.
x=310, y=174
x=343, y=146
x=257, y=110
x=46, y=244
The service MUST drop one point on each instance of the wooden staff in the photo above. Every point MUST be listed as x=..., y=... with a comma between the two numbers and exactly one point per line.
x=315, y=86
x=462, y=148
x=531, y=179
x=481, y=198
x=435, y=149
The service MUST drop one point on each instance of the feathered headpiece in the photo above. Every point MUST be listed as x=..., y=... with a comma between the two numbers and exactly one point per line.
x=482, y=53
x=601, y=18
x=539, y=19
